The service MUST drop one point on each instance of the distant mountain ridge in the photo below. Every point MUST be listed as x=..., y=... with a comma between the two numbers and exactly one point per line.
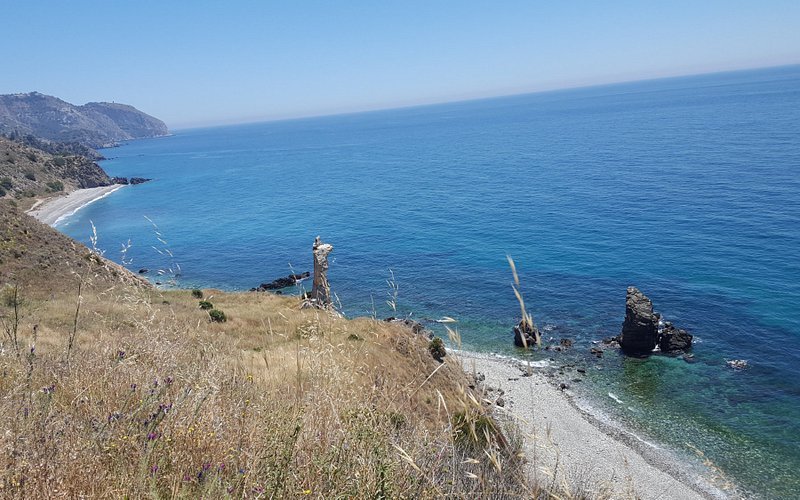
x=96, y=124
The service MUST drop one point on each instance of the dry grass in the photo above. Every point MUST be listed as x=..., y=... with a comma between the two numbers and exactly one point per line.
x=155, y=400
x=110, y=388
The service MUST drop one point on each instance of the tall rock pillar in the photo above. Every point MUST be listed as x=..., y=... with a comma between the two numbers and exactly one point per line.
x=321, y=291
x=640, y=329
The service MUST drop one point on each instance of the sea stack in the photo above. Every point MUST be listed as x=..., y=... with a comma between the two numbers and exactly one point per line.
x=640, y=330
x=321, y=290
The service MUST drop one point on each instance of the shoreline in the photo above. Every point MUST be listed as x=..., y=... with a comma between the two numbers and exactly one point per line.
x=51, y=211
x=564, y=442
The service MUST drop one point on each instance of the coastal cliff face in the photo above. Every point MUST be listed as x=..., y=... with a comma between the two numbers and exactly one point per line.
x=26, y=172
x=95, y=124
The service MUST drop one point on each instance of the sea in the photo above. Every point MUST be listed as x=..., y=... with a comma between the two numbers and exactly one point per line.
x=687, y=188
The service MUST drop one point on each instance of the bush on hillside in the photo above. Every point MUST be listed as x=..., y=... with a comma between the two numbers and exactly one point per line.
x=198, y=294
x=6, y=183
x=217, y=316
x=436, y=348
x=55, y=186
x=30, y=175
x=206, y=305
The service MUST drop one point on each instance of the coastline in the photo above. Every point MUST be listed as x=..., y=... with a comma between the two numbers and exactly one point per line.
x=564, y=443
x=51, y=210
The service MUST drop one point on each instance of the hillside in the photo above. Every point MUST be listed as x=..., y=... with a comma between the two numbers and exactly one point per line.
x=27, y=173
x=46, y=263
x=95, y=124
x=135, y=392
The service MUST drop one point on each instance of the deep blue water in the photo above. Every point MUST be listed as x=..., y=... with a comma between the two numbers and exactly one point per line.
x=688, y=188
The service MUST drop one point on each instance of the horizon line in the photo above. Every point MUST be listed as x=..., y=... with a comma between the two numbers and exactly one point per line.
x=545, y=90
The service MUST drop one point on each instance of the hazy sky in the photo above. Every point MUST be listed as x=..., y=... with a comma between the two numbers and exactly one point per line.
x=206, y=62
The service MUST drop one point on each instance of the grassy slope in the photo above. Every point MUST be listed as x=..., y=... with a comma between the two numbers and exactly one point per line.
x=153, y=399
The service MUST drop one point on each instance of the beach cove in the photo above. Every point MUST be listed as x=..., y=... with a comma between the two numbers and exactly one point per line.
x=52, y=210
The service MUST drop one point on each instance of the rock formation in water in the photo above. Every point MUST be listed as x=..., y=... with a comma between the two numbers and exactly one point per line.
x=673, y=339
x=283, y=282
x=526, y=334
x=640, y=330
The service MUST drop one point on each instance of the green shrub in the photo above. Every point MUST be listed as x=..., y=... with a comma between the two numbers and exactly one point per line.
x=206, y=305
x=5, y=182
x=217, y=316
x=475, y=430
x=59, y=161
x=198, y=294
x=30, y=176
x=55, y=186
x=436, y=347
x=31, y=156
x=2, y=192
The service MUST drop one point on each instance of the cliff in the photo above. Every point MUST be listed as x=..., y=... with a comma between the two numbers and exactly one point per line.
x=96, y=124
x=27, y=172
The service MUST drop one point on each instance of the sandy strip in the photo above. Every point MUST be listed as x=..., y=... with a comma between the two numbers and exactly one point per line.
x=563, y=441
x=51, y=210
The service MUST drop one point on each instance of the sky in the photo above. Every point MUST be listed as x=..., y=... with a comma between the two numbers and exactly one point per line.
x=197, y=63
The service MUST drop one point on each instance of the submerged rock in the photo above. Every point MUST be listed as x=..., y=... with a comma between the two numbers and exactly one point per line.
x=640, y=330
x=738, y=364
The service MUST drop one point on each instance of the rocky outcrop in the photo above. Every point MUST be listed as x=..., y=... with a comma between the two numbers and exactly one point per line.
x=281, y=283
x=96, y=124
x=132, y=181
x=414, y=326
x=640, y=330
x=673, y=339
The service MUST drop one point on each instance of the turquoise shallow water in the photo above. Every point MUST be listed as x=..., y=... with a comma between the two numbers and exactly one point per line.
x=688, y=188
